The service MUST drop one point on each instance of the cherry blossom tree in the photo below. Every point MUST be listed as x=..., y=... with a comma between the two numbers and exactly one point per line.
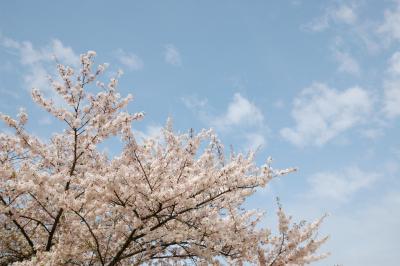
x=170, y=201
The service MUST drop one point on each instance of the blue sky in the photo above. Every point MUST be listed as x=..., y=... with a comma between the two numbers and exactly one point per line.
x=315, y=84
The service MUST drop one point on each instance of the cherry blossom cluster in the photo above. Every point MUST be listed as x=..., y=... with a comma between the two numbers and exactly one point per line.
x=171, y=201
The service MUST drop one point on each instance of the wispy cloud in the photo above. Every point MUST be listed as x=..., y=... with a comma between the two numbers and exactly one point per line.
x=39, y=61
x=394, y=64
x=199, y=106
x=390, y=27
x=64, y=54
x=344, y=14
x=321, y=113
x=29, y=55
x=317, y=24
x=151, y=131
x=37, y=77
x=340, y=186
x=130, y=60
x=193, y=102
x=172, y=56
x=347, y=63
x=374, y=34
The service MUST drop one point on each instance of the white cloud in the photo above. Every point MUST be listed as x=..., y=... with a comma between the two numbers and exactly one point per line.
x=340, y=14
x=241, y=115
x=390, y=28
x=240, y=112
x=394, y=64
x=375, y=35
x=151, y=131
x=347, y=63
x=172, y=55
x=340, y=186
x=391, y=86
x=37, y=77
x=321, y=113
x=247, y=120
x=63, y=53
x=345, y=14
x=29, y=55
x=344, y=19
x=38, y=61
x=132, y=61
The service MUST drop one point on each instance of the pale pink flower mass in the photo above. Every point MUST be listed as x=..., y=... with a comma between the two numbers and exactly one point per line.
x=174, y=201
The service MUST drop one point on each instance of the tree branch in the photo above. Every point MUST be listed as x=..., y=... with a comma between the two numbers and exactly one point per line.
x=93, y=235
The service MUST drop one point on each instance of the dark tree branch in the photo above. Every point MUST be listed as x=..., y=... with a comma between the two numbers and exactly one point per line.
x=93, y=235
